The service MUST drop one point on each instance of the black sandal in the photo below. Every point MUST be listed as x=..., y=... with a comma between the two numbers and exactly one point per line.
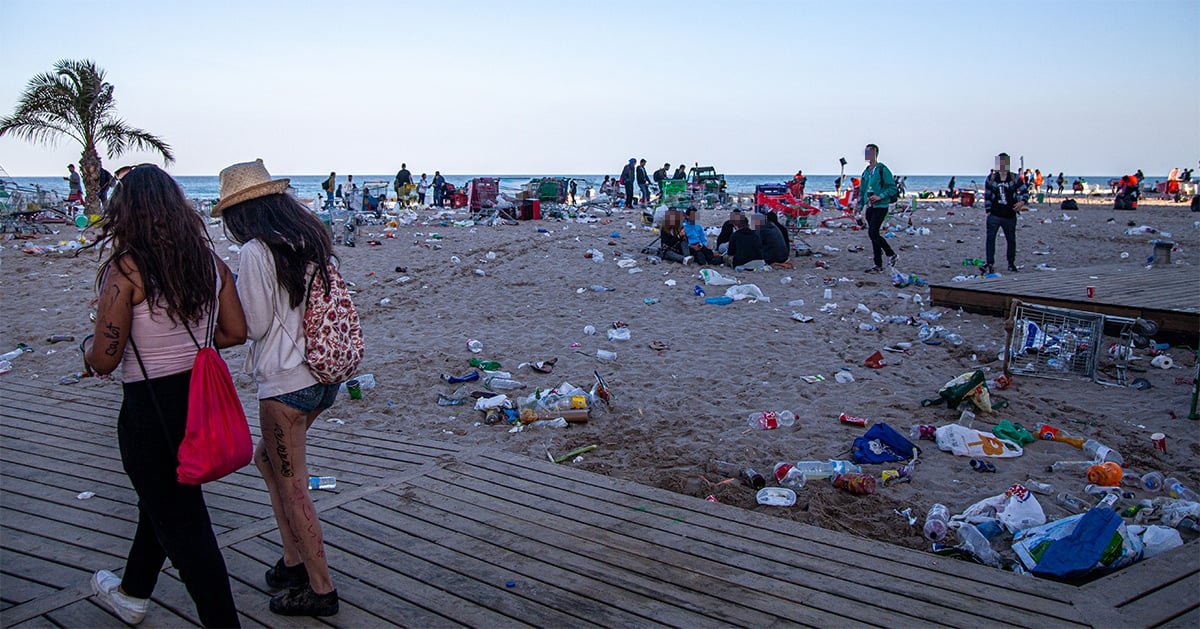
x=302, y=601
x=282, y=576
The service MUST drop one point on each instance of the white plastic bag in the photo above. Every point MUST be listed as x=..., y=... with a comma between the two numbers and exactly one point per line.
x=964, y=441
x=746, y=291
x=714, y=278
x=1157, y=539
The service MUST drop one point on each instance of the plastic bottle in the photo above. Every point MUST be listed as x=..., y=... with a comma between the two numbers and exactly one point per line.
x=937, y=523
x=768, y=420
x=474, y=346
x=502, y=384
x=1100, y=452
x=1066, y=466
x=922, y=431
x=1072, y=503
x=826, y=469
x=954, y=339
x=1152, y=482
x=972, y=542
x=1101, y=490
x=486, y=365
x=788, y=476
x=1037, y=487
x=322, y=482
x=8, y=356
x=1177, y=490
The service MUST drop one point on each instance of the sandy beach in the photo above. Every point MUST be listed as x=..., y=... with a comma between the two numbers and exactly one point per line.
x=675, y=409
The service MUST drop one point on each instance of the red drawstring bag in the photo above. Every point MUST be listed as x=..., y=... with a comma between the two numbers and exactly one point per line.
x=217, y=440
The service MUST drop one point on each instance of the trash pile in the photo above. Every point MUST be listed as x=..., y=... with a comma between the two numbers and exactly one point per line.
x=1116, y=516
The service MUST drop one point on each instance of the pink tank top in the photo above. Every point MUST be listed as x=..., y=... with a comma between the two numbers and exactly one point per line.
x=165, y=346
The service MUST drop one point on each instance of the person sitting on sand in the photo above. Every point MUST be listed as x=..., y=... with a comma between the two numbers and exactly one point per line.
x=671, y=237
x=745, y=246
x=697, y=241
x=774, y=248
x=773, y=218
x=727, y=229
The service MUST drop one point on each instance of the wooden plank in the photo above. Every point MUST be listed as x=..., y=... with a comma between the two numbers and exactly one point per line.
x=39, y=622
x=1187, y=620
x=53, y=522
x=253, y=597
x=47, y=572
x=1164, y=604
x=731, y=563
x=824, y=558
x=1135, y=581
x=15, y=590
x=454, y=591
x=460, y=548
x=84, y=613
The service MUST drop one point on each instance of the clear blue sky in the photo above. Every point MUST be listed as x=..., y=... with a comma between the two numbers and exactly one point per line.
x=508, y=87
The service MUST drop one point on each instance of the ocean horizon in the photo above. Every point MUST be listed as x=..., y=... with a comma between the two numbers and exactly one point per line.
x=205, y=187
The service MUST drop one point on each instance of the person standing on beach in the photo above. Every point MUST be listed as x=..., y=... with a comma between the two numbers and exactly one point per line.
x=75, y=189
x=876, y=192
x=439, y=188
x=627, y=181
x=160, y=288
x=329, y=185
x=643, y=182
x=1005, y=194
x=1060, y=181
x=422, y=188
x=403, y=178
x=950, y=187
x=285, y=249
x=660, y=175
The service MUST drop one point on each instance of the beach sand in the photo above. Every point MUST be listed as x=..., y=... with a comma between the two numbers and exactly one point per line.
x=674, y=410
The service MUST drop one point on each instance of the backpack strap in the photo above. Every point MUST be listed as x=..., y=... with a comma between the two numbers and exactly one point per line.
x=162, y=418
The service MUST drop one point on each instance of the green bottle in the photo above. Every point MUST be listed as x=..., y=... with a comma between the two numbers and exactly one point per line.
x=486, y=365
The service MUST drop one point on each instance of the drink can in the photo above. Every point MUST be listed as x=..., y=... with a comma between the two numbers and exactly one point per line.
x=849, y=419
x=354, y=389
x=1091, y=292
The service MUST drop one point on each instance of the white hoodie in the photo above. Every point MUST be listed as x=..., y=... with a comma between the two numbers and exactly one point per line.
x=274, y=328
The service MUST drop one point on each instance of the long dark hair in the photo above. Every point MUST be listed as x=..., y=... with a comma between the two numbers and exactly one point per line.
x=150, y=221
x=294, y=235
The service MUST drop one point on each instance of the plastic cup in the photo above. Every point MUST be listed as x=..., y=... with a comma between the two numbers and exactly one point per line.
x=1160, y=441
x=1091, y=292
x=828, y=293
x=354, y=389
x=605, y=356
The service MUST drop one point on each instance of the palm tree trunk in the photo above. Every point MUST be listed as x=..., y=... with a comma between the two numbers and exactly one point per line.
x=89, y=163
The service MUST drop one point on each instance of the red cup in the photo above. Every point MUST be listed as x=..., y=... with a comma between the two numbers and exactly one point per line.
x=1160, y=441
x=1091, y=292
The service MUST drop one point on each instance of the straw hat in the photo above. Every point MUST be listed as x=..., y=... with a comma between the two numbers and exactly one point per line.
x=245, y=181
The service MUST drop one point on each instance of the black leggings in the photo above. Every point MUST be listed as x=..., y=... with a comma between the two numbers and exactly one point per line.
x=172, y=518
x=879, y=244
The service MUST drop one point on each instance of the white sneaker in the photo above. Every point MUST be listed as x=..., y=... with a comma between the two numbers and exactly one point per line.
x=105, y=585
x=687, y=260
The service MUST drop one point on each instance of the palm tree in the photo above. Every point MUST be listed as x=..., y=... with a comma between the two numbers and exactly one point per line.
x=77, y=102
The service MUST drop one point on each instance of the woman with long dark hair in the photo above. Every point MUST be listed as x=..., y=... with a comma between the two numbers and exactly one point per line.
x=284, y=247
x=159, y=284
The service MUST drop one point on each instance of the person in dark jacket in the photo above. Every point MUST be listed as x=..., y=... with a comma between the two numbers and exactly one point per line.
x=660, y=175
x=680, y=173
x=627, y=177
x=1005, y=194
x=671, y=237
x=643, y=181
x=773, y=219
x=727, y=229
x=744, y=244
x=774, y=248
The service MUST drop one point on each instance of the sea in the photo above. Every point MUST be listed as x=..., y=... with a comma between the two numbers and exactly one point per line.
x=309, y=186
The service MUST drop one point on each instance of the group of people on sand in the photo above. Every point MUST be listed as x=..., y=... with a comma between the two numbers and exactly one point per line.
x=164, y=294
x=753, y=240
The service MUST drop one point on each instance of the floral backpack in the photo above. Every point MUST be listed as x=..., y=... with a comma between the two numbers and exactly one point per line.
x=333, y=338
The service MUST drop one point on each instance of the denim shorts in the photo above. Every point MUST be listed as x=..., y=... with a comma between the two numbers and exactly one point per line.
x=318, y=397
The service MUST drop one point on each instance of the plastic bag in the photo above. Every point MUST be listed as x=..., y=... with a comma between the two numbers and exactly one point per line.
x=1016, y=433
x=882, y=444
x=1122, y=549
x=746, y=291
x=971, y=386
x=1156, y=539
x=964, y=441
x=714, y=278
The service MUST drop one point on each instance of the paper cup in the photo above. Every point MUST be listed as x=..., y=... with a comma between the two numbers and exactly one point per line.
x=1160, y=441
x=1091, y=292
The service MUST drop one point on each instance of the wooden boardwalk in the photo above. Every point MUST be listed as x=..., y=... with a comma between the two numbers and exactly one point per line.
x=427, y=534
x=1169, y=296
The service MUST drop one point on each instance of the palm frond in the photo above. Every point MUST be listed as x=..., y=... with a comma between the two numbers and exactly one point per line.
x=119, y=138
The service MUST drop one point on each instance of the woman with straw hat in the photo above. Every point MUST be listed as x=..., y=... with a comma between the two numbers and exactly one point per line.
x=159, y=288
x=284, y=247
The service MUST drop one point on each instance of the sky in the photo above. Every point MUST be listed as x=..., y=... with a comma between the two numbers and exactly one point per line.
x=528, y=87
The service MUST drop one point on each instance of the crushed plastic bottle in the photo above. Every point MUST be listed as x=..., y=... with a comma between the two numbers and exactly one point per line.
x=769, y=420
x=502, y=384
x=1152, y=482
x=973, y=542
x=1039, y=487
x=1102, y=453
x=787, y=475
x=1072, y=503
x=825, y=469
x=1179, y=491
x=322, y=482
x=474, y=345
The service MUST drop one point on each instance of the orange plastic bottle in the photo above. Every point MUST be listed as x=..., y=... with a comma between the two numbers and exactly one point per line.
x=1107, y=474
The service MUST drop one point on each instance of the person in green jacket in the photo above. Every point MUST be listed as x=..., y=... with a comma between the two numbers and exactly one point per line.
x=877, y=191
